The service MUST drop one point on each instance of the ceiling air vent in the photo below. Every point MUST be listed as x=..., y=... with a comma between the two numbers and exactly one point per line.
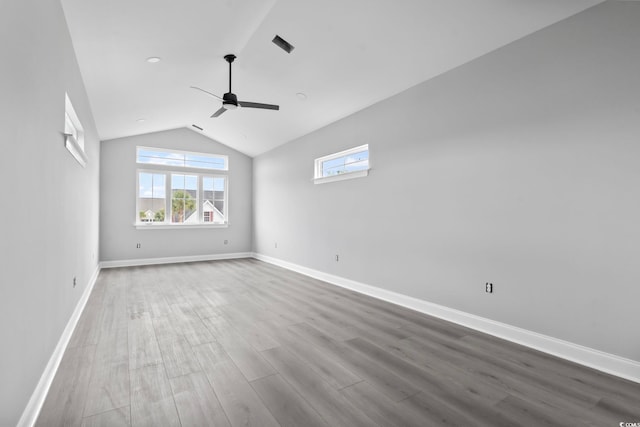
x=283, y=44
x=197, y=127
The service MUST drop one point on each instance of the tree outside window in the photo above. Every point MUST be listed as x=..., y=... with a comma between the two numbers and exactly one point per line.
x=182, y=205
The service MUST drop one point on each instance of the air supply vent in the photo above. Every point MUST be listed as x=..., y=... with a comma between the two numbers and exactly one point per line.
x=283, y=44
x=197, y=127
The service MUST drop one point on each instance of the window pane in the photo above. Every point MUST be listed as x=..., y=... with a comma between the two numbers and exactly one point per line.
x=356, y=162
x=218, y=184
x=207, y=202
x=332, y=167
x=191, y=182
x=184, y=195
x=207, y=183
x=159, y=186
x=219, y=200
x=213, y=202
x=145, y=183
x=348, y=163
x=208, y=210
x=160, y=157
x=205, y=162
x=151, y=197
x=177, y=183
x=158, y=210
x=216, y=208
x=177, y=210
x=207, y=187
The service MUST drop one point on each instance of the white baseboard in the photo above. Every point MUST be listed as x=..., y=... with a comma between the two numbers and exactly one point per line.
x=596, y=359
x=32, y=410
x=173, y=260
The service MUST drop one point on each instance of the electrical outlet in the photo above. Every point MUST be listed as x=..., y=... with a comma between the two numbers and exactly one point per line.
x=74, y=281
x=337, y=258
x=226, y=242
x=138, y=245
x=488, y=287
x=275, y=245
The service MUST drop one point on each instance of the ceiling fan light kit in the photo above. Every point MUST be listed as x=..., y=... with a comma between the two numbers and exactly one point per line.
x=230, y=100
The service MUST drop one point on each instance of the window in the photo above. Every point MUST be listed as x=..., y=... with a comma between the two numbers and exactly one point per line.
x=184, y=159
x=352, y=163
x=184, y=196
x=73, y=133
x=213, y=201
x=174, y=191
x=152, y=197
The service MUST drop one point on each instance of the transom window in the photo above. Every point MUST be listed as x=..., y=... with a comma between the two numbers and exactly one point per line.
x=351, y=163
x=183, y=159
x=169, y=195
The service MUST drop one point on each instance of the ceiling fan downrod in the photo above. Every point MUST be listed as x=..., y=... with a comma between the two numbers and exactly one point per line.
x=230, y=58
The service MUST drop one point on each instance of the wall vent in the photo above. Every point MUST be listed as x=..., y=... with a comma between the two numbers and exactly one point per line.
x=283, y=44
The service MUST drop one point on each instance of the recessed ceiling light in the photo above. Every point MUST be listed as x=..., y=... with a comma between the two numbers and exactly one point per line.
x=301, y=96
x=153, y=59
x=140, y=120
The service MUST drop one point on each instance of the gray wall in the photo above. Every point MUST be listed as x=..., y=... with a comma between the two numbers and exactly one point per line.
x=519, y=168
x=118, y=237
x=49, y=211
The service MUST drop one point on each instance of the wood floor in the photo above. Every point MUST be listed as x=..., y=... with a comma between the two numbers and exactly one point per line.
x=244, y=343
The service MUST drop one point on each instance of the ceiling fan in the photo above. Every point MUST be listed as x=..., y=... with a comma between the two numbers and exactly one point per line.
x=230, y=100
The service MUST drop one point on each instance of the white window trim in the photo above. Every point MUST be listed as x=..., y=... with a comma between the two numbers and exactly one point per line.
x=195, y=153
x=342, y=176
x=182, y=171
x=165, y=226
x=74, y=139
x=317, y=169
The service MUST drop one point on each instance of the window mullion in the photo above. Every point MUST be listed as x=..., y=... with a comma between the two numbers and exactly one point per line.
x=226, y=199
x=200, y=199
x=168, y=199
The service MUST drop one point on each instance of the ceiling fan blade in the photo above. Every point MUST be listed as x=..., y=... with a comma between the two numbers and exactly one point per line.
x=206, y=91
x=217, y=113
x=246, y=104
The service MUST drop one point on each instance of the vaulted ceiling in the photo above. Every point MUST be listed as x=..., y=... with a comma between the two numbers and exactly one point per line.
x=348, y=55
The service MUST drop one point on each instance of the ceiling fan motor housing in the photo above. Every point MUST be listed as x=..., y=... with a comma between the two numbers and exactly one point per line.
x=230, y=101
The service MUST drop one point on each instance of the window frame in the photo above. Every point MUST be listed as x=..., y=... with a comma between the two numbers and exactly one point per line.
x=168, y=172
x=73, y=133
x=317, y=166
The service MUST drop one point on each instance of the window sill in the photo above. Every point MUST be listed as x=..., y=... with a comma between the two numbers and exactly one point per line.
x=341, y=177
x=155, y=226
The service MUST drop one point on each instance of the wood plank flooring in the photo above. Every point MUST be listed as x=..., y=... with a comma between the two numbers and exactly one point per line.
x=244, y=343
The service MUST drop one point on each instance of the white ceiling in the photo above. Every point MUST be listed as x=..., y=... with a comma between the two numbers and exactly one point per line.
x=348, y=55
